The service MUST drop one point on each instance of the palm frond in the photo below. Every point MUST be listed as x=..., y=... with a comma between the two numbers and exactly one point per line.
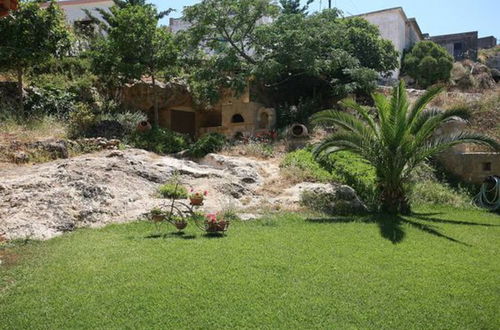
x=351, y=104
x=343, y=120
x=445, y=142
x=422, y=102
x=432, y=123
x=345, y=140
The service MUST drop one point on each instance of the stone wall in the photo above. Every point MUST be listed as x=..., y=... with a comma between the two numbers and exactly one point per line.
x=472, y=167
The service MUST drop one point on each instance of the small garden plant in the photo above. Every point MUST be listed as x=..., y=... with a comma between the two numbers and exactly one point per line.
x=173, y=190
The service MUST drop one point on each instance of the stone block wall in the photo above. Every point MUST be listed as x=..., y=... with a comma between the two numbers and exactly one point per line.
x=472, y=167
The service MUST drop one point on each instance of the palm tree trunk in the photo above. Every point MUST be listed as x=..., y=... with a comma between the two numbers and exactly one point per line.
x=20, y=90
x=156, y=118
x=393, y=200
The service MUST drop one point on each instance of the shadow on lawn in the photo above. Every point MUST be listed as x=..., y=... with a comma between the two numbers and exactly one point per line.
x=177, y=234
x=391, y=225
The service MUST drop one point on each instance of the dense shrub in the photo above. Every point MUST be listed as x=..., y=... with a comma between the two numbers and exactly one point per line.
x=45, y=101
x=172, y=190
x=353, y=171
x=428, y=63
x=158, y=140
x=81, y=120
x=212, y=142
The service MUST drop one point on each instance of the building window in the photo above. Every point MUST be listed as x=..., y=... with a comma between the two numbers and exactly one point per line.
x=487, y=167
x=237, y=118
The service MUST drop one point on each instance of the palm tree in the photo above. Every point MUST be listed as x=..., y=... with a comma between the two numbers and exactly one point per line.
x=395, y=140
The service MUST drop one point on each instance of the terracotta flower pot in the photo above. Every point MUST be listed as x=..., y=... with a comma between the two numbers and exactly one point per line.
x=144, y=126
x=180, y=225
x=217, y=227
x=222, y=225
x=196, y=201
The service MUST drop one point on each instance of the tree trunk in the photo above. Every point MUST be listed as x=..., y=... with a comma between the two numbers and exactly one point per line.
x=394, y=200
x=156, y=118
x=20, y=90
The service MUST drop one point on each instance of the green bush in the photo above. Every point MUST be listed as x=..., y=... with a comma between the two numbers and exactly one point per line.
x=301, y=166
x=158, y=140
x=353, y=171
x=46, y=101
x=172, y=190
x=212, y=142
x=428, y=63
x=80, y=120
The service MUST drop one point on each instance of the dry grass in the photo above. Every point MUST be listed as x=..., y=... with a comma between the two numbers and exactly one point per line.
x=31, y=130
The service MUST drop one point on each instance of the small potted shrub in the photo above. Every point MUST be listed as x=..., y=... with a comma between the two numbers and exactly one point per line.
x=197, y=197
x=157, y=215
x=215, y=223
x=179, y=222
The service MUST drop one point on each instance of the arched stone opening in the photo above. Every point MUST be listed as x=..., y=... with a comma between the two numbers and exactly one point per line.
x=237, y=118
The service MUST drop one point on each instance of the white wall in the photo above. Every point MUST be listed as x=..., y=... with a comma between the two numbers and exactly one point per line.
x=392, y=26
x=75, y=12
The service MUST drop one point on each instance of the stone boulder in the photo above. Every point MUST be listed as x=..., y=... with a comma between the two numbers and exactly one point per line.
x=328, y=198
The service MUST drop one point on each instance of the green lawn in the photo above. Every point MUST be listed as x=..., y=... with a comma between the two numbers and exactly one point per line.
x=436, y=270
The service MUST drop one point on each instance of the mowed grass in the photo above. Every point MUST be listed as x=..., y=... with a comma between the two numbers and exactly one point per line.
x=440, y=269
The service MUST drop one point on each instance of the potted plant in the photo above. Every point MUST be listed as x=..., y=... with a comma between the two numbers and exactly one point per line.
x=157, y=215
x=179, y=222
x=215, y=223
x=196, y=198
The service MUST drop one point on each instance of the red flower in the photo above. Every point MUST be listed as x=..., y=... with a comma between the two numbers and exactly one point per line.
x=205, y=193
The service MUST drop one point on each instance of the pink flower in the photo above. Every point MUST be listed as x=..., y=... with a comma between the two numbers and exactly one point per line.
x=205, y=193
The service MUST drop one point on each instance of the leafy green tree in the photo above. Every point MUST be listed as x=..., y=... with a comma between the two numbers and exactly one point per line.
x=135, y=47
x=321, y=54
x=219, y=44
x=428, y=63
x=395, y=140
x=294, y=7
x=30, y=36
x=289, y=57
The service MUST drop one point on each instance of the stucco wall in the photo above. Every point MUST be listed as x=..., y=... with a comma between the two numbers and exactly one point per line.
x=393, y=27
x=73, y=10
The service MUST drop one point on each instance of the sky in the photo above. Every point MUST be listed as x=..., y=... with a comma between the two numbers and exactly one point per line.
x=433, y=16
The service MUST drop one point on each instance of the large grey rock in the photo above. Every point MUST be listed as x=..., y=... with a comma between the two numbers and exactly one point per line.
x=329, y=198
x=46, y=200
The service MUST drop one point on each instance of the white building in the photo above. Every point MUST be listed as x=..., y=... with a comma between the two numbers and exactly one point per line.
x=395, y=26
x=74, y=9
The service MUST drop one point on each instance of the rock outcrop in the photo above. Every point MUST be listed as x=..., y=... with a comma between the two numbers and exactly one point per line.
x=46, y=200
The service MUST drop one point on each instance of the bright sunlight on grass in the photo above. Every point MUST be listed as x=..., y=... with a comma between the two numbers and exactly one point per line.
x=439, y=269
